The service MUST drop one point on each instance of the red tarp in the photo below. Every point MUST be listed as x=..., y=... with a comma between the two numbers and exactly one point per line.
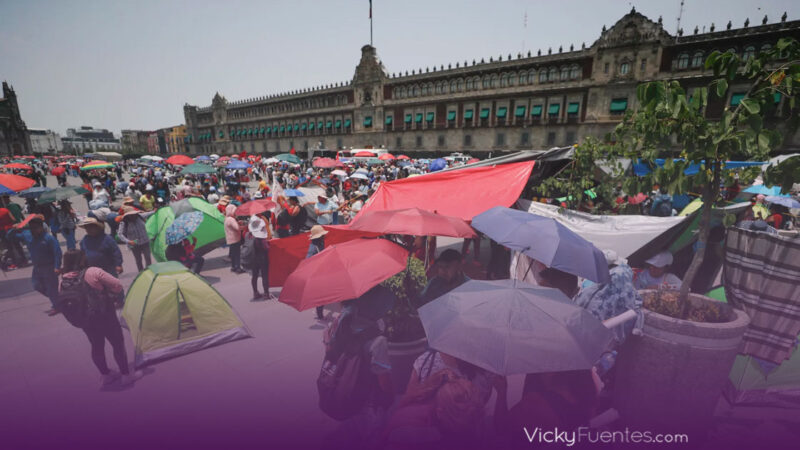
x=463, y=193
x=286, y=253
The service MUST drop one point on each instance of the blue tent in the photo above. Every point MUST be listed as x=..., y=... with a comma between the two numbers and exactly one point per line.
x=641, y=169
x=437, y=164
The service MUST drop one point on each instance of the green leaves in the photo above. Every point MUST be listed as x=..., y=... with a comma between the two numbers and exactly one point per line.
x=751, y=105
x=720, y=87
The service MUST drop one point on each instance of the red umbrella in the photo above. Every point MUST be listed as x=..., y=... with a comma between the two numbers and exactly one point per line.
x=179, y=160
x=402, y=157
x=473, y=160
x=16, y=183
x=254, y=207
x=342, y=272
x=58, y=170
x=636, y=199
x=386, y=157
x=413, y=221
x=27, y=157
x=224, y=158
x=364, y=154
x=18, y=166
x=327, y=163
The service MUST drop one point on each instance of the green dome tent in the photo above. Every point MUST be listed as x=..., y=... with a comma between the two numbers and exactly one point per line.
x=171, y=311
x=210, y=233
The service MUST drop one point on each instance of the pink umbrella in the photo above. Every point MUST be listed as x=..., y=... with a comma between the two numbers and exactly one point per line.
x=364, y=154
x=255, y=207
x=413, y=221
x=402, y=157
x=179, y=160
x=342, y=272
x=386, y=157
x=327, y=163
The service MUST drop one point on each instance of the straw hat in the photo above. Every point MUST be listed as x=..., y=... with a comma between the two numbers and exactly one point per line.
x=258, y=228
x=128, y=211
x=317, y=232
x=127, y=201
x=91, y=221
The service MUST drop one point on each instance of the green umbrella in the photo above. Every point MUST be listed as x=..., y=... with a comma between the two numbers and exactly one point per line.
x=197, y=169
x=288, y=157
x=62, y=193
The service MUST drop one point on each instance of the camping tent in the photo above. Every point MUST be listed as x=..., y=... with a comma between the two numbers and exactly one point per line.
x=171, y=311
x=209, y=234
x=754, y=382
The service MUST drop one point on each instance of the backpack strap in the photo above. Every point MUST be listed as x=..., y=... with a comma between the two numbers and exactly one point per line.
x=430, y=357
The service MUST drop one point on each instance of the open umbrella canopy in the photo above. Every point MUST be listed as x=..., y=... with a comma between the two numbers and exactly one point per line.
x=197, y=169
x=58, y=170
x=61, y=193
x=202, y=158
x=402, y=157
x=339, y=173
x=255, y=207
x=413, y=221
x=364, y=154
x=97, y=164
x=236, y=165
x=183, y=226
x=34, y=192
x=288, y=157
x=179, y=160
x=342, y=272
x=788, y=202
x=327, y=163
x=510, y=327
x=386, y=157
x=544, y=240
x=438, y=164
x=359, y=176
x=293, y=193
x=761, y=189
x=17, y=166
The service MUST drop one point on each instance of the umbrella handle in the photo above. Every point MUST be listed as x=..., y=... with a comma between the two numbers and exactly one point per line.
x=627, y=316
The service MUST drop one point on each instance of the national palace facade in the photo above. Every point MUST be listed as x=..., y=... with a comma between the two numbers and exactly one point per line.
x=508, y=103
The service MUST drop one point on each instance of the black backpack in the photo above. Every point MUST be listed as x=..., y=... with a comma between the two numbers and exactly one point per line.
x=78, y=302
x=346, y=383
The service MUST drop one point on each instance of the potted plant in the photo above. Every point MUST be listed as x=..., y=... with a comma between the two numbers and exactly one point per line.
x=405, y=334
x=671, y=376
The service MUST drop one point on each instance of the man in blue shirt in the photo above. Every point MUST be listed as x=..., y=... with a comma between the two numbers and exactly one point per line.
x=324, y=210
x=46, y=258
x=101, y=250
x=449, y=276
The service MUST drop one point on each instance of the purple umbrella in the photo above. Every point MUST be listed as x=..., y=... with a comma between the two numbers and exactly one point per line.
x=544, y=240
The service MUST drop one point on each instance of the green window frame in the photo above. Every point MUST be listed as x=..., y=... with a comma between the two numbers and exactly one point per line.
x=348, y=122
x=329, y=124
x=388, y=120
x=263, y=130
x=520, y=111
x=484, y=113
x=468, y=114
x=221, y=134
x=737, y=98
x=231, y=133
x=283, y=128
x=418, y=118
x=238, y=132
x=451, y=115
x=429, y=117
x=776, y=97
x=303, y=126
x=338, y=124
x=297, y=127
x=319, y=125
x=311, y=125
x=367, y=121
x=536, y=110
x=554, y=109
x=501, y=112
x=408, y=118
x=573, y=108
x=618, y=105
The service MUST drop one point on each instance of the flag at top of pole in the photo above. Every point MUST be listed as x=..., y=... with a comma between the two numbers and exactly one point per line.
x=370, y=9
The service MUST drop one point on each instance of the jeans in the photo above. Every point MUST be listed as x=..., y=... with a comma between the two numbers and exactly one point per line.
x=45, y=281
x=235, y=253
x=69, y=236
x=139, y=251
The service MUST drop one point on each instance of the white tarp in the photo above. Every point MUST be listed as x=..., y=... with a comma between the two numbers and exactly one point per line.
x=623, y=234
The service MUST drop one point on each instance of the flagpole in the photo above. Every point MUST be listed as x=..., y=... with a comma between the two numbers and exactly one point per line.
x=370, y=23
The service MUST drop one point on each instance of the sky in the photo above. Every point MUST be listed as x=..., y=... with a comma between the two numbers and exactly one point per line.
x=120, y=64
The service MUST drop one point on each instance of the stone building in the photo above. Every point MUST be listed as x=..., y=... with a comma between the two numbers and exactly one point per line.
x=44, y=141
x=14, y=138
x=507, y=103
x=134, y=141
x=90, y=140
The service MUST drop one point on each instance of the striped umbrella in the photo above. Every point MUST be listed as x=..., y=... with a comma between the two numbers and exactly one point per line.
x=97, y=164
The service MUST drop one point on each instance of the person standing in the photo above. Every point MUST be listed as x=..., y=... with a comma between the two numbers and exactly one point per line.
x=100, y=289
x=324, y=210
x=66, y=219
x=100, y=249
x=317, y=244
x=259, y=231
x=45, y=256
x=233, y=237
x=132, y=232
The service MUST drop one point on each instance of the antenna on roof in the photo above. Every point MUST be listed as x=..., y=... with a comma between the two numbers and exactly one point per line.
x=680, y=14
x=524, y=29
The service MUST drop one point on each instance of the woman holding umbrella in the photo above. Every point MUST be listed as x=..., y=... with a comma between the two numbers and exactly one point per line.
x=259, y=231
x=66, y=219
x=132, y=232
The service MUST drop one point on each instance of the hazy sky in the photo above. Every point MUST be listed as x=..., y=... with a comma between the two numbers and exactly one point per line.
x=133, y=64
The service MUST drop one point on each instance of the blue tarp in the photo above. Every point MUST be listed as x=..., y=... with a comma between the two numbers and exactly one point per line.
x=641, y=169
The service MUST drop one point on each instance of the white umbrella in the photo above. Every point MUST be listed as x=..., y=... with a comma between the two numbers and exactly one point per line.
x=339, y=173
x=156, y=158
x=213, y=156
x=271, y=160
x=362, y=170
x=359, y=176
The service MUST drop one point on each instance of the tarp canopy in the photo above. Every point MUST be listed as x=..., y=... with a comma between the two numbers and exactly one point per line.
x=623, y=234
x=171, y=311
x=641, y=169
x=463, y=193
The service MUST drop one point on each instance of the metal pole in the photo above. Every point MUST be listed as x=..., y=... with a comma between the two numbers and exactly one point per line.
x=370, y=23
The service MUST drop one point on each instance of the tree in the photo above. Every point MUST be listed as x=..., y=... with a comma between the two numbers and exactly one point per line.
x=672, y=124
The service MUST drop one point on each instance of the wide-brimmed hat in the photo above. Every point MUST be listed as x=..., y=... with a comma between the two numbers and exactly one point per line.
x=257, y=227
x=317, y=232
x=258, y=195
x=128, y=201
x=91, y=221
x=225, y=200
x=129, y=211
x=662, y=259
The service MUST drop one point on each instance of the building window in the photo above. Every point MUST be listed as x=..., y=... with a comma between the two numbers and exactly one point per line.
x=683, y=61
x=469, y=84
x=500, y=139
x=553, y=74
x=440, y=140
x=460, y=85
x=524, y=138
x=467, y=140
x=697, y=59
x=765, y=48
x=749, y=53
x=574, y=72
x=570, y=138
x=486, y=82
x=643, y=65
x=606, y=67
x=398, y=142
x=523, y=78
x=504, y=80
x=452, y=87
x=494, y=81
x=419, y=141
x=624, y=68
x=551, y=138
x=564, y=73
x=731, y=50
x=543, y=76
x=339, y=143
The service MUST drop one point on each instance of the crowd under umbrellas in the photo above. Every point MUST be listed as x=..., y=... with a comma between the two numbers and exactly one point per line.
x=477, y=331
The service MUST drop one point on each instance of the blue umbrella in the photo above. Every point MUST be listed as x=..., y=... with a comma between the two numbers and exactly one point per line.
x=237, y=165
x=202, y=158
x=292, y=193
x=34, y=192
x=761, y=189
x=788, y=202
x=183, y=226
x=510, y=327
x=438, y=164
x=544, y=240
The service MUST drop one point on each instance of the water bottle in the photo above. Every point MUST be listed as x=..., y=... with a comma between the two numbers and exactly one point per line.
x=606, y=362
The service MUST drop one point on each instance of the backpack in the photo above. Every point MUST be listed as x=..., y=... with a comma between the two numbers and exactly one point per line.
x=284, y=218
x=664, y=206
x=346, y=383
x=248, y=254
x=77, y=303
